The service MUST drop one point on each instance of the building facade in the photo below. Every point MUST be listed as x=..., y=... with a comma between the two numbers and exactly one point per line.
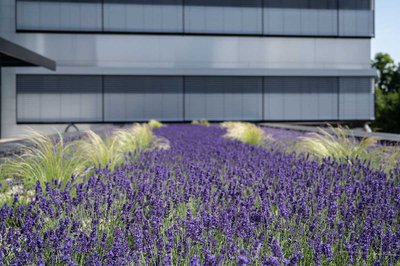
x=182, y=60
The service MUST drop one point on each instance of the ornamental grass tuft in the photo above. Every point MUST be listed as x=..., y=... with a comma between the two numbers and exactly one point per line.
x=244, y=132
x=44, y=158
x=155, y=124
x=336, y=143
x=201, y=122
x=95, y=150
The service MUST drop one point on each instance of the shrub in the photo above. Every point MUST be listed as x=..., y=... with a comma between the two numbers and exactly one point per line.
x=43, y=159
x=155, y=124
x=336, y=143
x=244, y=132
x=387, y=111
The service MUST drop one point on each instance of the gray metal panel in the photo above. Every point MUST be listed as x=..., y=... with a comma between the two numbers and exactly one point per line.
x=356, y=101
x=300, y=98
x=47, y=98
x=140, y=98
x=223, y=19
x=223, y=98
x=12, y=54
x=283, y=21
x=58, y=84
x=358, y=23
x=303, y=4
x=355, y=4
x=140, y=17
x=59, y=16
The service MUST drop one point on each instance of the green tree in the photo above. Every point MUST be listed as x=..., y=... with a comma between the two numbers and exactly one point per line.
x=387, y=94
x=387, y=69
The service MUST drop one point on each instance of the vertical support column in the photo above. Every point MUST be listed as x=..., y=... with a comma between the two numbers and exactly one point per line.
x=0, y=101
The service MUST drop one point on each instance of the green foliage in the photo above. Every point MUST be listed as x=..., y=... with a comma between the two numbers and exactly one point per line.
x=336, y=143
x=387, y=111
x=387, y=94
x=46, y=159
x=389, y=74
x=244, y=132
x=43, y=159
x=155, y=124
x=201, y=122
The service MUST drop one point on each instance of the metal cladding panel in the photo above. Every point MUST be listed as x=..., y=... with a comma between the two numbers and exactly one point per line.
x=300, y=98
x=141, y=98
x=303, y=4
x=356, y=101
x=58, y=84
x=223, y=98
x=358, y=23
x=223, y=19
x=79, y=16
x=305, y=22
x=46, y=98
x=356, y=4
x=141, y=17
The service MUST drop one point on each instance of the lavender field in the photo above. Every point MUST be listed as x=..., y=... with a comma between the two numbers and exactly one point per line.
x=210, y=200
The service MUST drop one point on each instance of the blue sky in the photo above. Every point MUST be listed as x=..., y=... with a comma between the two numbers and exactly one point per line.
x=387, y=29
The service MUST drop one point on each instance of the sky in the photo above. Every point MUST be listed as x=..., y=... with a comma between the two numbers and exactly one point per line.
x=387, y=28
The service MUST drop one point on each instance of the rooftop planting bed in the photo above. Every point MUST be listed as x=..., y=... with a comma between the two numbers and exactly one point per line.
x=206, y=194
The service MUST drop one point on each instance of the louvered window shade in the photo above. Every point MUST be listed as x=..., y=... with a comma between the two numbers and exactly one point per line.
x=141, y=98
x=59, y=98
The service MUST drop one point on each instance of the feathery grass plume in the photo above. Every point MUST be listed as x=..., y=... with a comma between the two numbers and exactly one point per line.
x=44, y=159
x=97, y=151
x=244, y=132
x=336, y=143
x=155, y=124
x=135, y=139
x=386, y=157
x=201, y=122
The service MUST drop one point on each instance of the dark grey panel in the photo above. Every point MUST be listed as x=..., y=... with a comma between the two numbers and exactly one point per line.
x=300, y=98
x=58, y=84
x=140, y=98
x=63, y=1
x=223, y=98
x=231, y=3
x=302, y=4
x=12, y=54
x=355, y=4
x=145, y=2
x=142, y=84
